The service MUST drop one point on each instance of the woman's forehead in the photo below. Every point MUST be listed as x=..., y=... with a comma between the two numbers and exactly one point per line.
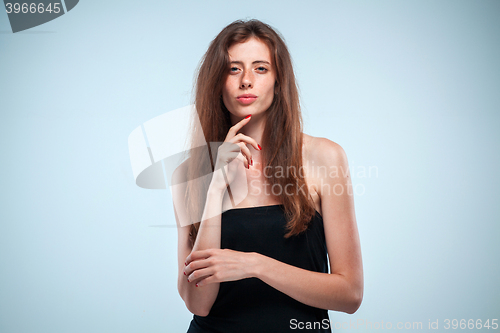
x=250, y=50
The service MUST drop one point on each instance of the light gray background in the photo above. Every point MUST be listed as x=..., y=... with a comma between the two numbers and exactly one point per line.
x=409, y=87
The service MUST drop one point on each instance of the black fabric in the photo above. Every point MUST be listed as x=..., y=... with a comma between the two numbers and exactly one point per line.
x=250, y=305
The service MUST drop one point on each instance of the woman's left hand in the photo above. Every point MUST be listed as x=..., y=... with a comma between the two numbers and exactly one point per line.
x=219, y=265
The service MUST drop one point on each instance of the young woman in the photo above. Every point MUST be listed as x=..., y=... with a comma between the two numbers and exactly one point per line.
x=253, y=240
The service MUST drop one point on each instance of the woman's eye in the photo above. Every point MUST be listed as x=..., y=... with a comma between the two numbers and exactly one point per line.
x=235, y=69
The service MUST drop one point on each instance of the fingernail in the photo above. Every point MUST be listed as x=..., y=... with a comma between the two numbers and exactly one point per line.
x=197, y=284
x=248, y=166
x=188, y=279
x=184, y=273
x=185, y=264
x=259, y=147
x=251, y=162
x=248, y=116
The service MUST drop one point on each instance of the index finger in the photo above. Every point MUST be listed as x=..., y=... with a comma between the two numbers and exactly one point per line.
x=195, y=255
x=236, y=127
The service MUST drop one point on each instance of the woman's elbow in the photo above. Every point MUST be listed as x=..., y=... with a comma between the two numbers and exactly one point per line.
x=193, y=307
x=197, y=311
x=355, y=302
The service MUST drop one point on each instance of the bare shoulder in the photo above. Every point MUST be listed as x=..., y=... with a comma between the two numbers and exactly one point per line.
x=323, y=160
x=323, y=151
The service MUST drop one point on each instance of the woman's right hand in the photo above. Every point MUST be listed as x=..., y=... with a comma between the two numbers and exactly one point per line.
x=232, y=155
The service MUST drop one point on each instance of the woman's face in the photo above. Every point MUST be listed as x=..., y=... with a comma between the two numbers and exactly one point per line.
x=249, y=87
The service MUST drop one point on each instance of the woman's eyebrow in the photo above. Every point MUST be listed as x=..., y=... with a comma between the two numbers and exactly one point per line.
x=255, y=62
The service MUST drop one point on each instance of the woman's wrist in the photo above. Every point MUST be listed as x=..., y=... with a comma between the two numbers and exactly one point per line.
x=256, y=264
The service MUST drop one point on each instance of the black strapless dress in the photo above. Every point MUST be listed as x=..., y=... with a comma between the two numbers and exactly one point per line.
x=250, y=305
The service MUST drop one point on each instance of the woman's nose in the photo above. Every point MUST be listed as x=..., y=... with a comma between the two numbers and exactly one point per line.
x=246, y=80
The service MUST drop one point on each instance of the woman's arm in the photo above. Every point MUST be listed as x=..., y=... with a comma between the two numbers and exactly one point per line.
x=231, y=156
x=322, y=290
x=198, y=301
x=342, y=289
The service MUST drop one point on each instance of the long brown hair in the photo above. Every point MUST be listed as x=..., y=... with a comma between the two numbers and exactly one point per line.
x=282, y=137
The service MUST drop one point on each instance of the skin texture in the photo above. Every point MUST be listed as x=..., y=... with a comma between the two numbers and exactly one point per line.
x=206, y=265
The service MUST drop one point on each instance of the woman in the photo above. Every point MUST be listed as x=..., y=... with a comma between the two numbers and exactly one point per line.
x=256, y=260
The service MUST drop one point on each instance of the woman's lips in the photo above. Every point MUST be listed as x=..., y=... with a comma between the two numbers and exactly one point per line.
x=246, y=100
